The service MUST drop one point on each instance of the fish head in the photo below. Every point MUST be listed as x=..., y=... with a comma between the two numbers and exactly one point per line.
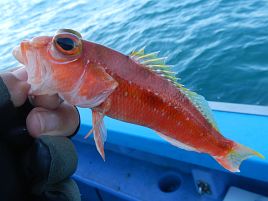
x=59, y=64
x=53, y=64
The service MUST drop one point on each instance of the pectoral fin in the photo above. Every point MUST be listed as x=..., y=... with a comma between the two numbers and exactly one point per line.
x=99, y=131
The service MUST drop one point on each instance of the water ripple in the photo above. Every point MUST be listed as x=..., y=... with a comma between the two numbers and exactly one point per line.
x=219, y=48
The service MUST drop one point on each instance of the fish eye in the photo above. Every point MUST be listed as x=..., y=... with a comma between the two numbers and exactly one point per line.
x=67, y=43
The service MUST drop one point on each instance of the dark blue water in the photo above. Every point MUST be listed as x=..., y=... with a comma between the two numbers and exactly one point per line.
x=219, y=48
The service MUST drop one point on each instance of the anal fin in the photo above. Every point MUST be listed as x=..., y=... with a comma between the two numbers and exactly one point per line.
x=176, y=143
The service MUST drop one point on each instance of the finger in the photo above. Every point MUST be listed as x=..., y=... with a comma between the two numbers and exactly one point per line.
x=62, y=121
x=17, y=86
x=46, y=101
x=20, y=73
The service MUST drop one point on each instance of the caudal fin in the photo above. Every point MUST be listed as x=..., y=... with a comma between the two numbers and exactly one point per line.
x=233, y=159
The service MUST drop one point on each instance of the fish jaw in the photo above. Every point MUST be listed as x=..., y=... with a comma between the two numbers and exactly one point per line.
x=28, y=54
x=18, y=54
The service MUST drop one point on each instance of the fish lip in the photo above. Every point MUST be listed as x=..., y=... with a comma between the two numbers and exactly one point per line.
x=17, y=53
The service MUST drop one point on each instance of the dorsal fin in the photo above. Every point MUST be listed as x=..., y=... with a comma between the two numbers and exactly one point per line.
x=158, y=66
x=155, y=64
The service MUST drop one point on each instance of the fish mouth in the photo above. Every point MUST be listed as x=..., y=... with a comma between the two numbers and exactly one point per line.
x=27, y=53
x=19, y=52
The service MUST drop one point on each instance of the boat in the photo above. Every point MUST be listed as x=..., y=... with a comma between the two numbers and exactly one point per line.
x=140, y=165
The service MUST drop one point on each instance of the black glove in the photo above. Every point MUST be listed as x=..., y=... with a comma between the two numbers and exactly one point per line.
x=33, y=169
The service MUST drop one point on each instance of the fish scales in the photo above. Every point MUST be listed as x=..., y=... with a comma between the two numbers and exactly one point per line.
x=149, y=95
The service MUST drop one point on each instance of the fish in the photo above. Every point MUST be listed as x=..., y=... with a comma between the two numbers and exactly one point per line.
x=138, y=88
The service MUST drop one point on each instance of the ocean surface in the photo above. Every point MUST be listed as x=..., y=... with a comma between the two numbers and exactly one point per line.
x=218, y=47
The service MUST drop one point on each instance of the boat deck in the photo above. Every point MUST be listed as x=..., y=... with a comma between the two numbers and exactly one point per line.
x=142, y=166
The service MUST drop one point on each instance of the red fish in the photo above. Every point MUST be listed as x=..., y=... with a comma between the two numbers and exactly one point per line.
x=138, y=88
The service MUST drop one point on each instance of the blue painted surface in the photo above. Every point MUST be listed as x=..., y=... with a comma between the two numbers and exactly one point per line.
x=130, y=174
x=123, y=178
x=250, y=130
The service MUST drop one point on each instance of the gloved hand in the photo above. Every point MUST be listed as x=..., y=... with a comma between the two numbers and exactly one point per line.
x=36, y=157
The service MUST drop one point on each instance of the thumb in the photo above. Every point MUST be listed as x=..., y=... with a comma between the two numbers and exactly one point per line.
x=17, y=86
x=62, y=121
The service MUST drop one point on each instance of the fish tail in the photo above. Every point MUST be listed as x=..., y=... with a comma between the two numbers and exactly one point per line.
x=235, y=157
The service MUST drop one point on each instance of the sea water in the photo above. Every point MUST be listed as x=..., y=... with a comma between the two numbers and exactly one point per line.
x=219, y=48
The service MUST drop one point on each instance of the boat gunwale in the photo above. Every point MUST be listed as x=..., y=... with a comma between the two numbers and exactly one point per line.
x=239, y=108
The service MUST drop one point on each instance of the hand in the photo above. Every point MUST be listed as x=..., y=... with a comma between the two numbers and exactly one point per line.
x=49, y=115
x=38, y=169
